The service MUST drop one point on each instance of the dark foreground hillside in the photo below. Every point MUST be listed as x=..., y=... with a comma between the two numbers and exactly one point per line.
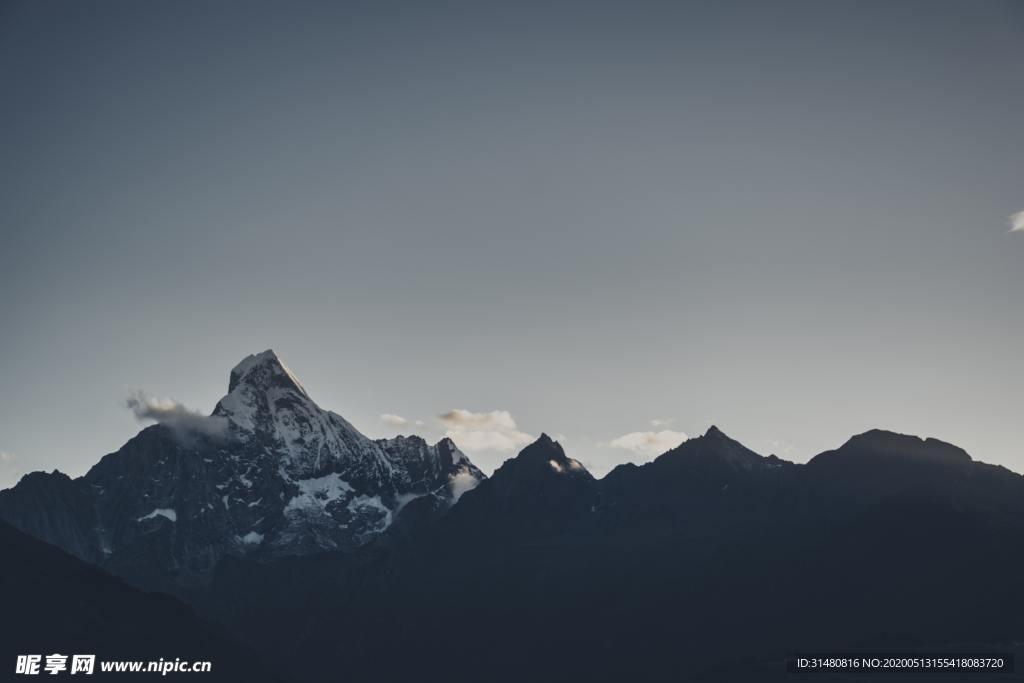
x=55, y=603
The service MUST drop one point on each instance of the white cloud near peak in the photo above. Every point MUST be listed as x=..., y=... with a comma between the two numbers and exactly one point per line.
x=459, y=418
x=1017, y=222
x=175, y=415
x=394, y=420
x=649, y=444
x=488, y=431
x=462, y=482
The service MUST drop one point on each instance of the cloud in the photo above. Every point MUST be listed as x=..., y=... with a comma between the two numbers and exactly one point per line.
x=662, y=422
x=783, y=448
x=1017, y=222
x=394, y=420
x=183, y=421
x=467, y=419
x=462, y=482
x=10, y=470
x=493, y=431
x=649, y=444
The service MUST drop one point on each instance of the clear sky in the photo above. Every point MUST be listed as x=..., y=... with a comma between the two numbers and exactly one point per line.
x=789, y=219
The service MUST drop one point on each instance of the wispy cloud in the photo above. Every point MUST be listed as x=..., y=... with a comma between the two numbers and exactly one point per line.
x=783, y=448
x=662, y=422
x=393, y=420
x=491, y=431
x=1017, y=222
x=649, y=444
x=10, y=471
x=462, y=482
x=182, y=420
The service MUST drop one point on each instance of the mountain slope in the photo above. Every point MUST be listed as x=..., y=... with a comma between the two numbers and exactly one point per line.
x=539, y=493
x=268, y=474
x=54, y=602
x=711, y=559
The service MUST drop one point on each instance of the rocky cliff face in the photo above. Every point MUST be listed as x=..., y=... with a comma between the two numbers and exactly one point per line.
x=268, y=474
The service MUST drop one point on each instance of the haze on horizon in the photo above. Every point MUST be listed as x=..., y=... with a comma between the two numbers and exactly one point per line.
x=613, y=222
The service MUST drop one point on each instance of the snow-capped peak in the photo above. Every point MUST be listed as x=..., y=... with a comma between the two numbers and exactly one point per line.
x=262, y=368
x=267, y=404
x=446, y=445
x=286, y=477
x=270, y=413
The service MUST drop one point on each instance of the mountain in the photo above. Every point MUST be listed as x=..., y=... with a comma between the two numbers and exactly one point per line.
x=300, y=536
x=54, y=602
x=879, y=466
x=540, y=493
x=268, y=474
x=710, y=563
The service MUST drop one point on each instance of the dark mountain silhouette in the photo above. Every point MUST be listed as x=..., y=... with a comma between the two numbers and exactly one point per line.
x=339, y=557
x=53, y=602
x=539, y=494
x=710, y=563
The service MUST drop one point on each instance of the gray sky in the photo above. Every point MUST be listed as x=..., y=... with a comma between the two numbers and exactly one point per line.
x=788, y=219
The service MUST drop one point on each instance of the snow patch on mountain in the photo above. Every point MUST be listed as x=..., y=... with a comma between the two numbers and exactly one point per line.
x=372, y=507
x=160, y=512
x=318, y=492
x=462, y=482
x=251, y=538
x=268, y=357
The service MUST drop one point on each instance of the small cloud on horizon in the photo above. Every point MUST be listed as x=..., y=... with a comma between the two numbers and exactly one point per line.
x=648, y=444
x=783, y=449
x=487, y=431
x=1017, y=222
x=394, y=420
x=662, y=422
x=181, y=419
x=10, y=469
x=462, y=482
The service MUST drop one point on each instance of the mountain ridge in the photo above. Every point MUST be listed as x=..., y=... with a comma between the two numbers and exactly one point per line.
x=278, y=476
x=286, y=477
x=703, y=560
x=302, y=536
